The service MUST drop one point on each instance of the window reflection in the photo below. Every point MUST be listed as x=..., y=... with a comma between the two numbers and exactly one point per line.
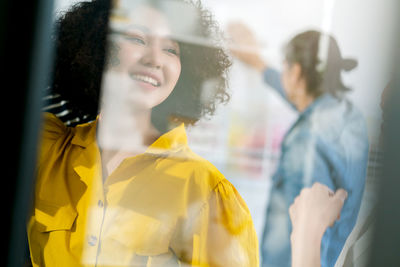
x=177, y=133
x=130, y=191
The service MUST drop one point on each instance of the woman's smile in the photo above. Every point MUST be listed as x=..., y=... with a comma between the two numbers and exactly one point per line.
x=146, y=80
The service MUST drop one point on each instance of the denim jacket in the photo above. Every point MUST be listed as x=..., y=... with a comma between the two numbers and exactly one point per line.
x=328, y=144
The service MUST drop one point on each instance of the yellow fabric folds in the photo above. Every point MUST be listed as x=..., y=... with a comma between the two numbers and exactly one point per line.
x=166, y=207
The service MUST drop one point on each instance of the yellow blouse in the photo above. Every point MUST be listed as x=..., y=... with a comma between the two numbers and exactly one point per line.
x=166, y=207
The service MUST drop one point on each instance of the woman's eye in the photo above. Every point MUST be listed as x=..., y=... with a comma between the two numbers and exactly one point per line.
x=172, y=51
x=135, y=39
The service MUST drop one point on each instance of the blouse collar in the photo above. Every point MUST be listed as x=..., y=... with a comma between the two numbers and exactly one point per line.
x=173, y=140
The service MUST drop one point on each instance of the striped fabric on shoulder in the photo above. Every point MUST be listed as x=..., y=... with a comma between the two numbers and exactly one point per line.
x=55, y=104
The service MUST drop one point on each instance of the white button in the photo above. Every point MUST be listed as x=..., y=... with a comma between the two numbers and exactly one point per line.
x=92, y=240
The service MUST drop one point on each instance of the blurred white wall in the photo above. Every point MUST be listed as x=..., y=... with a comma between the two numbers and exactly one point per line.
x=364, y=30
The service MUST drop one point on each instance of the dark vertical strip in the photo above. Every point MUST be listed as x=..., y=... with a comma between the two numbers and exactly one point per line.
x=26, y=56
x=386, y=240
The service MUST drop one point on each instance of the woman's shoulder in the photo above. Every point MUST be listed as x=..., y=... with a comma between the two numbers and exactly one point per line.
x=56, y=136
x=174, y=151
x=52, y=130
x=202, y=171
x=52, y=127
x=207, y=180
x=334, y=117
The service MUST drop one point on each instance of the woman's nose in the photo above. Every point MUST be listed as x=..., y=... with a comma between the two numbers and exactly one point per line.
x=152, y=57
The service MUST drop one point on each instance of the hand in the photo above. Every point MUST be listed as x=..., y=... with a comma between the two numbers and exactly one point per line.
x=244, y=46
x=312, y=212
x=317, y=207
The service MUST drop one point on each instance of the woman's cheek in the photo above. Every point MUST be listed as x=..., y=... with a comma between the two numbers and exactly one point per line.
x=178, y=71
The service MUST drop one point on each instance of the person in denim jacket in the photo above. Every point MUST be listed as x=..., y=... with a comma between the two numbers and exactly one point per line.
x=328, y=143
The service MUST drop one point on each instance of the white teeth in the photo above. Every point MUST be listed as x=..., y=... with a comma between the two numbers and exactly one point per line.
x=145, y=79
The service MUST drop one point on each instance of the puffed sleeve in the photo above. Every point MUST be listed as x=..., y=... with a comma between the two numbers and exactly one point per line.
x=51, y=130
x=221, y=234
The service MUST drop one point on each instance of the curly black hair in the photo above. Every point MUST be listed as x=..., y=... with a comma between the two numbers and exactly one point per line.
x=80, y=47
x=81, y=53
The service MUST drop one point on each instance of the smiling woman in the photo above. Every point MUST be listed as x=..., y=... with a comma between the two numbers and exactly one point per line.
x=147, y=56
x=125, y=189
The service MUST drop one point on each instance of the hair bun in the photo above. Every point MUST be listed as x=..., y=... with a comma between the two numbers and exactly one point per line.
x=349, y=64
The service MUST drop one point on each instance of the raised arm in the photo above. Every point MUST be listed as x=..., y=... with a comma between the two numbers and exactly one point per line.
x=245, y=47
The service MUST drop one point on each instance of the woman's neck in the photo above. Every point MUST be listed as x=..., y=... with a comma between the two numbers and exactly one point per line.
x=302, y=98
x=122, y=136
x=304, y=102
